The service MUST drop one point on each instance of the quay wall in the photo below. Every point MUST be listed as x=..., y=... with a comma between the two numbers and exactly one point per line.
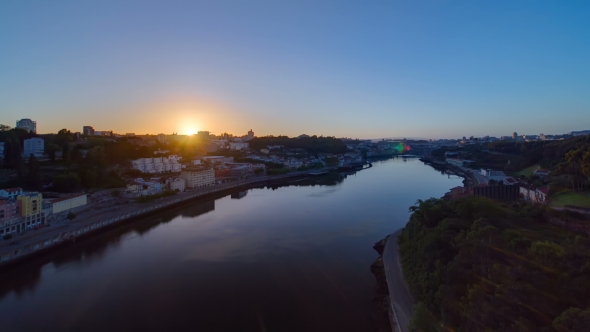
x=13, y=253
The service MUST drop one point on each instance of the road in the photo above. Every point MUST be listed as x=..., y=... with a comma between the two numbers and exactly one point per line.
x=401, y=300
x=33, y=236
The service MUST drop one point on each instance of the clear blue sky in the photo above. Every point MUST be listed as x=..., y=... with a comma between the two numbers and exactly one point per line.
x=344, y=68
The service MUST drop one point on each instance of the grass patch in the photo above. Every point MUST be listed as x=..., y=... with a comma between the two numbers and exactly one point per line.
x=570, y=198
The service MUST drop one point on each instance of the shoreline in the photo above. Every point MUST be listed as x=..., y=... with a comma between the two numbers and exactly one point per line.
x=63, y=235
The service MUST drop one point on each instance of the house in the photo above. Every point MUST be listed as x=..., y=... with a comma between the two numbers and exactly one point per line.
x=144, y=188
x=542, y=173
x=535, y=195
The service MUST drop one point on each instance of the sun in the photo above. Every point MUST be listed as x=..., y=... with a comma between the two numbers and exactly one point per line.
x=191, y=131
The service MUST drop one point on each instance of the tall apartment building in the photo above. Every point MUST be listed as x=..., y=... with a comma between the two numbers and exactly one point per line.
x=88, y=131
x=162, y=138
x=27, y=124
x=198, y=177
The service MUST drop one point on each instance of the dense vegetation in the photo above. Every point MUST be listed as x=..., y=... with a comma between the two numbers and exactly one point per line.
x=478, y=265
x=311, y=144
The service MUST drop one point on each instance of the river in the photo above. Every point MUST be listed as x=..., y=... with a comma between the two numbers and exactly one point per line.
x=294, y=257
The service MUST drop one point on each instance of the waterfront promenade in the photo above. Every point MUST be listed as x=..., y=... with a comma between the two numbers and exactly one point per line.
x=65, y=230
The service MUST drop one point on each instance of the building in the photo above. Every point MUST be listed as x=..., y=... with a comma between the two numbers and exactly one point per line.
x=66, y=203
x=238, y=145
x=130, y=135
x=458, y=162
x=162, y=138
x=88, y=131
x=31, y=210
x=158, y=164
x=33, y=146
x=535, y=195
x=177, y=184
x=265, y=151
x=218, y=159
x=10, y=217
x=103, y=133
x=143, y=188
x=514, y=135
x=249, y=136
x=198, y=177
x=11, y=193
x=27, y=124
x=504, y=193
x=542, y=173
x=1, y=150
x=239, y=172
x=203, y=135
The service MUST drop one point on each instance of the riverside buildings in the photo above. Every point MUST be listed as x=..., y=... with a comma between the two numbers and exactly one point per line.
x=198, y=177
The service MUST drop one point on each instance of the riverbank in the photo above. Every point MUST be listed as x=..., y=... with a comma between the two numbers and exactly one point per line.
x=37, y=242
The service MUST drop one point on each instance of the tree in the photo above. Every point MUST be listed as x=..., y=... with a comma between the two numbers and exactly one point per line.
x=76, y=155
x=63, y=136
x=34, y=176
x=50, y=150
x=66, y=183
x=4, y=127
x=65, y=151
x=71, y=215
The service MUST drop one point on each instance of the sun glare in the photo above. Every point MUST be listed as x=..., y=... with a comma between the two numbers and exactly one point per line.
x=191, y=131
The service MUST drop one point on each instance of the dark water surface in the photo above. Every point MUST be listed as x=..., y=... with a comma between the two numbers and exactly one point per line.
x=289, y=258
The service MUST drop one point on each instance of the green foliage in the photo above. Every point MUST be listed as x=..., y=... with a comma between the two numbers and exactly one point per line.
x=272, y=171
x=477, y=265
x=311, y=144
x=34, y=176
x=66, y=183
x=258, y=171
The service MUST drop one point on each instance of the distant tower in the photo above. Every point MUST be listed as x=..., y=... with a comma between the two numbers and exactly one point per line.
x=162, y=138
x=27, y=124
x=250, y=134
x=514, y=135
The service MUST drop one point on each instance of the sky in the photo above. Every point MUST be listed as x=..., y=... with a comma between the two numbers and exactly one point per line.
x=363, y=69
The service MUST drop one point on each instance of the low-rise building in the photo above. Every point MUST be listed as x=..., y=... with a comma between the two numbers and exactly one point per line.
x=140, y=187
x=458, y=162
x=11, y=193
x=33, y=146
x=535, y=195
x=10, y=216
x=238, y=145
x=158, y=164
x=218, y=159
x=198, y=177
x=177, y=184
x=66, y=203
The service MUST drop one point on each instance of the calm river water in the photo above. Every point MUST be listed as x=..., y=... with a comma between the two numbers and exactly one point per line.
x=290, y=258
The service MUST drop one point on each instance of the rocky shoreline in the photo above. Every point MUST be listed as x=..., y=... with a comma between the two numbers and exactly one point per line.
x=381, y=300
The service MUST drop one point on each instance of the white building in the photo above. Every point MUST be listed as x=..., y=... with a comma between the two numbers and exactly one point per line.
x=1, y=150
x=67, y=203
x=27, y=124
x=238, y=145
x=144, y=188
x=11, y=193
x=35, y=146
x=198, y=177
x=162, y=138
x=158, y=165
x=178, y=184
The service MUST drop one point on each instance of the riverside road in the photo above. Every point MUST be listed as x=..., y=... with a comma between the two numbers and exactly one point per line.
x=400, y=298
x=56, y=228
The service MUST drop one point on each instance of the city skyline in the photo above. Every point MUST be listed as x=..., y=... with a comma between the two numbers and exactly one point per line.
x=418, y=69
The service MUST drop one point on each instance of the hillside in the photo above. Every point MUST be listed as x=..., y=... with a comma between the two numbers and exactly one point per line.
x=479, y=265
